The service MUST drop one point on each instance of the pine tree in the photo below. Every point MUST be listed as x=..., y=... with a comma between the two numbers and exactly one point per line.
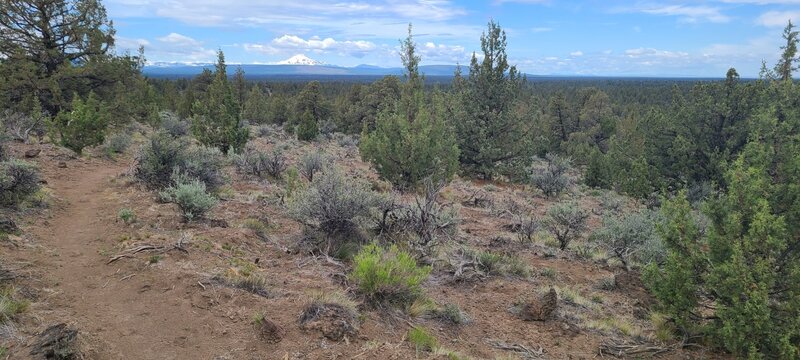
x=216, y=122
x=490, y=132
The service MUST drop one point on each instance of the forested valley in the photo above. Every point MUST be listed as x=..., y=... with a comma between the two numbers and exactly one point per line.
x=491, y=215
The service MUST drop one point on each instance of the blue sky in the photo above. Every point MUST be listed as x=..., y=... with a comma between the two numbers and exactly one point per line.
x=547, y=37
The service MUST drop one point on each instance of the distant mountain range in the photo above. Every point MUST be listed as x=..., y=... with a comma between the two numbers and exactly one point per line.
x=298, y=65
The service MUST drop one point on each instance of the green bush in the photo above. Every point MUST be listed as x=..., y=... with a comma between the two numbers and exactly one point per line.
x=117, y=143
x=631, y=237
x=84, y=125
x=566, y=221
x=173, y=125
x=406, y=151
x=18, y=180
x=307, y=129
x=204, y=164
x=158, y=158
x=162, y=156
x=128, y=216
x=740, y=274
x=313, y=163
x=552, y=176
x=333, y=203
x=388, y=276
x=422, y=339
x=191, y=197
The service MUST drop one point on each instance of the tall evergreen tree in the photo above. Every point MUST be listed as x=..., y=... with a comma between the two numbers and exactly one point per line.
x=62, y=47
x=490, y=132
x=216, y=121
x=786, y=65
x=411, y=140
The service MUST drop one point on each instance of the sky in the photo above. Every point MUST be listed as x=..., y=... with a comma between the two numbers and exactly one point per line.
x=701, y=38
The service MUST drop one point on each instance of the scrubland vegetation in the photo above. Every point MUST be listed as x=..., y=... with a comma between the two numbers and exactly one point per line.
x=688, y=192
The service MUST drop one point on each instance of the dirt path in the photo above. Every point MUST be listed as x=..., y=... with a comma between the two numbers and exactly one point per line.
x=123, y=310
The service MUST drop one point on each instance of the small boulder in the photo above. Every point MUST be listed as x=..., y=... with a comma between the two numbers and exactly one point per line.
x=540, y=308
x=32, y=153
x=334, y=321
x=269, y=331
x=62, y=164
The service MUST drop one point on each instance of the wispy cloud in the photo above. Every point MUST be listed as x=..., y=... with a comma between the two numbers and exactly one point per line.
x=686, y=13
x=542, y=29
x=777, y=18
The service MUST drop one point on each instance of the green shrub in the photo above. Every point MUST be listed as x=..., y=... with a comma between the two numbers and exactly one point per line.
x=422, y=339
x=566, y=221
x=127, y=216
x=84, y=125
x=173, y=125
x=191, y=197
x=18, y=180
x=10, y=307
x=313, y=163
x=631, y=237
x=389, y=276
x=117, y=143
x=158, y=158
x=204, y=164
x=409, y=148
x=333, y=204
x=552, y=177
x=307, y=129
x=162, y=156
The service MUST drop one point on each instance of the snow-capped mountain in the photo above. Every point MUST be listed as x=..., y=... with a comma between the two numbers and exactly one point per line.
x=300, y=59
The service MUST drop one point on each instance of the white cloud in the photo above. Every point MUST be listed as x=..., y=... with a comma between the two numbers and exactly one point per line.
x=763, y=2
x=541, y=29
x=576, y=53
x=289, y=44
x=654, y=53
x=685, y=13
x=777, y=18
x=442, y=53
x=179, y=40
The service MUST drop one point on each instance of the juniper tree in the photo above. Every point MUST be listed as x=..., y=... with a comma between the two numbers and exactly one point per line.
x=216, y=121
x=412, y=140
x=490, y=132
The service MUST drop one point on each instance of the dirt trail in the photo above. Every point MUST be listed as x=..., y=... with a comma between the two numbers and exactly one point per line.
x=124, y=310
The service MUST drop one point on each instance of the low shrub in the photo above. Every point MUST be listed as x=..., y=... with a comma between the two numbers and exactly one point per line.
x=205, y=164
x=127, y=216
x=257, y=163
x=18, y=180
x=631, y=237
x=20, y=126
x=452, y=314
x=157, y=159
x=312, y=163
x=422, y=339
x=333, y=204
x=388, y=276
x=566, y=221
x=552, y=176
x=117, y=143
x=191, y=197
x=173, y=125
x=162, y=156
x=84, y=125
